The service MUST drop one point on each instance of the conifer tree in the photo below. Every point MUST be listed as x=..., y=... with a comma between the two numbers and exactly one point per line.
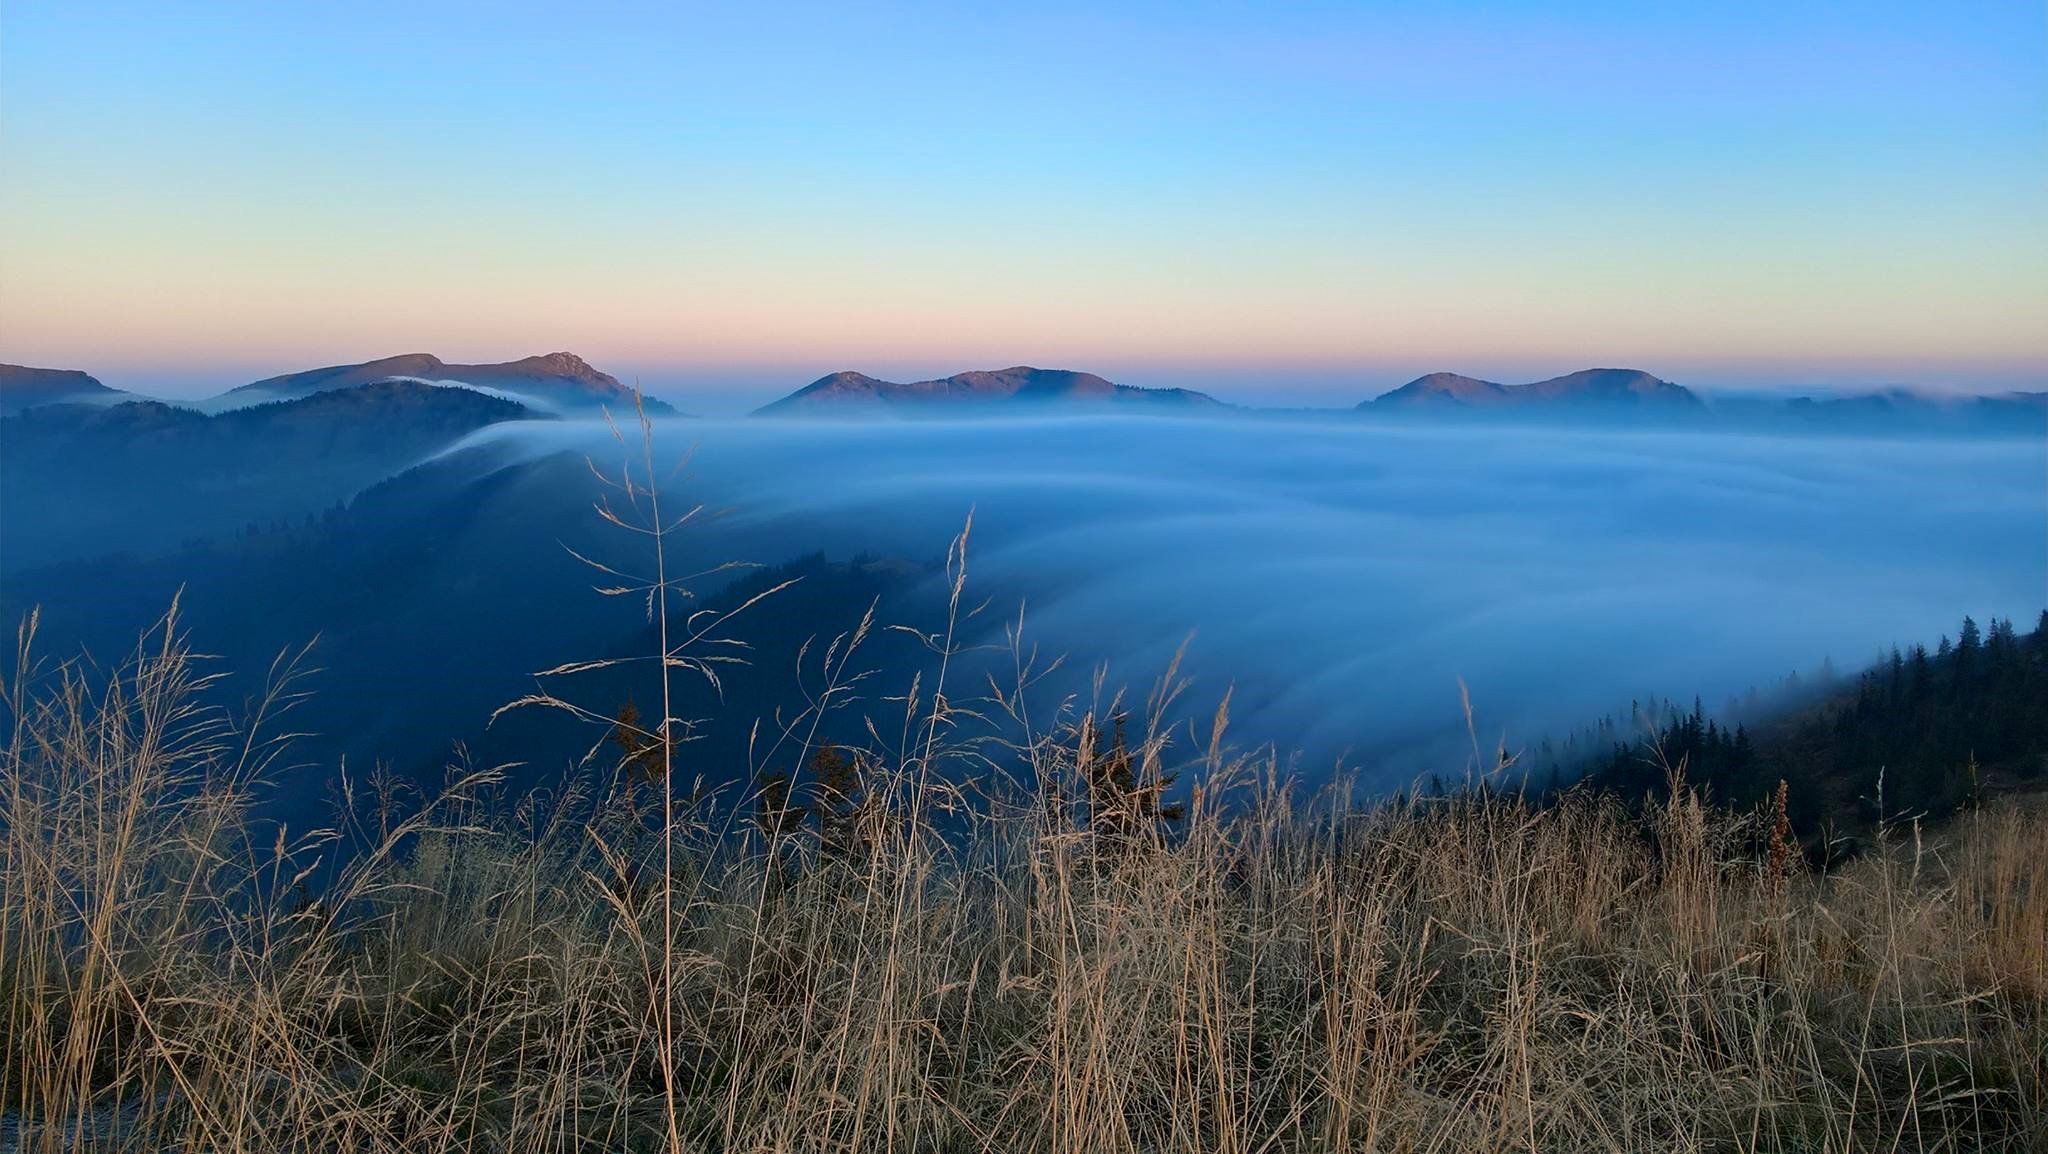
x=640, y=753
x=1122, y=808
x=841, y=801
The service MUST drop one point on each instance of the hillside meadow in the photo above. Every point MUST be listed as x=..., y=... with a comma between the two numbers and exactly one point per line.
x=920, y=950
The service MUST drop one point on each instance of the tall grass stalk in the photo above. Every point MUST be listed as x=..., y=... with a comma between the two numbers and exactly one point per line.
x=1285, y=974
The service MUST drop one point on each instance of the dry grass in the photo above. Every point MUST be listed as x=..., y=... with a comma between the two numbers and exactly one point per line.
x=981, y=973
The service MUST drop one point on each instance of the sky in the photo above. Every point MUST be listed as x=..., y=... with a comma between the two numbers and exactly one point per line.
x=1275, y=202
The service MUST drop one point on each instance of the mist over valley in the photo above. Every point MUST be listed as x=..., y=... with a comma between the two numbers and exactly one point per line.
x=1557, y=549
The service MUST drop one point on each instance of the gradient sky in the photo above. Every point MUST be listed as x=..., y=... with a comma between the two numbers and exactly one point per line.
x=1328, y=198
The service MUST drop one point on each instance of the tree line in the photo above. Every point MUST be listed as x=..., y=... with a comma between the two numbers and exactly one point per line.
x=1920, y=733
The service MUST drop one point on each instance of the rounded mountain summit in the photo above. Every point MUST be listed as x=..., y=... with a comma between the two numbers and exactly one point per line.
x=857, y=394
x=1616, y=389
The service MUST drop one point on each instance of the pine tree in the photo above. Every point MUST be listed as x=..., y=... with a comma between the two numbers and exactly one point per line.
x=841, y=801
x=1124, y=810
x=640, y=757
x=776, y=813
x=1969, y=643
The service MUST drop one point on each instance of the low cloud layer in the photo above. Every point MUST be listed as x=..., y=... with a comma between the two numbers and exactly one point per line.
x=1344, y=577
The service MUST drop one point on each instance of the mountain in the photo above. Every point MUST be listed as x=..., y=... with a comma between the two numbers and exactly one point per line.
x=851, y=394
x=1627, y=388
x=22, y=387
x=560, y=382
x=79, y=480
x=1631, y=395
x=1446, y=390
x=1588, y=390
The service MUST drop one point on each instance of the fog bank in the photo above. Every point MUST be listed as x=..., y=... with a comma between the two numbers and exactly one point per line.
x=1344, y=577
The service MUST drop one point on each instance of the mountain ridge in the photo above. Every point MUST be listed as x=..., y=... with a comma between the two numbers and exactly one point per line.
x=848, y=392
x=563, y=383
x=159, y=465
x=1586, y=388
x=26, y=387
x=560, y=379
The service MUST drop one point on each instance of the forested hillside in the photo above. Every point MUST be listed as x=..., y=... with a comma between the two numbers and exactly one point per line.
x=1920, y=733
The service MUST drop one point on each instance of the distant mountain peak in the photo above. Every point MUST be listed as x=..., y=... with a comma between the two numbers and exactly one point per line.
x=1611, y=389
x=848, y=392
x=567, y=364
x=1446, y=389
x=406, y=361
x=1613, y=385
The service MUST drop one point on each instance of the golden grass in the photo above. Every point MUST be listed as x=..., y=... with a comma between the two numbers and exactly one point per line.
x=980, y=973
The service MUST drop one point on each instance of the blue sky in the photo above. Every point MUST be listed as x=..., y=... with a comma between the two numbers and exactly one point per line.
x=1276, y=203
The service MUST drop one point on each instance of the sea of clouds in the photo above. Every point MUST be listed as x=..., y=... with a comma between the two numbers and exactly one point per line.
x=1344, y=577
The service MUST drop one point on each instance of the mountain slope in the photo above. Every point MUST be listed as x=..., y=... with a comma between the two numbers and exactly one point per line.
x=857, y=394
x=77, y=480
x=423, y=591
x=1924, y=733
x=22, y=387
x=555, y=381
